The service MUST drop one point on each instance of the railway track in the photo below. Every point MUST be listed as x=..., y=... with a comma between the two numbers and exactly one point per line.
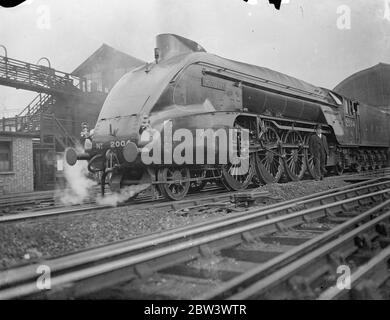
x=218, y=197
x=360, y=246
x=42, y=200
x=192, y=200
x=206, y=259
x=9, y=203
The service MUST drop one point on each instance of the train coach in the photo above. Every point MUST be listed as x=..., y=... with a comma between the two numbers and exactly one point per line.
x=192, y=89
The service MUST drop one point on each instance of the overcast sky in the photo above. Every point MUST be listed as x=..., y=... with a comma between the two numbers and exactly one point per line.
x=308, y=39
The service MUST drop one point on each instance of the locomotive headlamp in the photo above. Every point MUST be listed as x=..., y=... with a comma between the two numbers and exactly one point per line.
x=87, y=145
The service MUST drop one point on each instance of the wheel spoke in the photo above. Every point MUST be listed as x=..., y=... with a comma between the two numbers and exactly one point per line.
x=174, y=187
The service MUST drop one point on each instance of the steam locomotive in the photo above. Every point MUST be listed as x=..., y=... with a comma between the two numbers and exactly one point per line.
x=193, y=89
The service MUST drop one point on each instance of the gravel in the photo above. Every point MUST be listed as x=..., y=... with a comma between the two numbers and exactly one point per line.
x=31, y=241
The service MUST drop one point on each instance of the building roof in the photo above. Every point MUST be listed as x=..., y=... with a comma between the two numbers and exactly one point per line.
x=107, y=58
x=371, y=86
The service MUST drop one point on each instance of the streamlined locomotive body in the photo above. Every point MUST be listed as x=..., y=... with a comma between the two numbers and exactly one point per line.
x=188, y=88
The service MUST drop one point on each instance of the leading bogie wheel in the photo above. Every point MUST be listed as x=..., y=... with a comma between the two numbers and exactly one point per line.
x=175, y=182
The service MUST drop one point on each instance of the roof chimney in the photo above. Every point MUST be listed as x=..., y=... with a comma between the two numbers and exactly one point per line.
x=170, y=45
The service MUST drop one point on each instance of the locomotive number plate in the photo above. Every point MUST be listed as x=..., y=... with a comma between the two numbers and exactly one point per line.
x=213, y=83
x=119, y=143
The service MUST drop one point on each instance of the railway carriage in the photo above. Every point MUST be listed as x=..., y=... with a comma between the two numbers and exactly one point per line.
x=193, y=89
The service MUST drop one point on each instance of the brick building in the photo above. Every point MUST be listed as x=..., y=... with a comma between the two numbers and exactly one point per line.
x=16, y=163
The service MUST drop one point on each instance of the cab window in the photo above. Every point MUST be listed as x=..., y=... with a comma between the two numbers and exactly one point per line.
x=356, y=107
x=349, y=108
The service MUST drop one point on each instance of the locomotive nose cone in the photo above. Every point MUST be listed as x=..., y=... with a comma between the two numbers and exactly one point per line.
x=71, y=156
x=130, y=152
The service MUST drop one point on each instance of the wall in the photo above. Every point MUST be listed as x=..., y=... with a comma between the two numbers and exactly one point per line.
x=20, y=179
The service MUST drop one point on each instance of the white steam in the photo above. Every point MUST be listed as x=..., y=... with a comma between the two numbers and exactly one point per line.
x=79, y=185
x=125, y=193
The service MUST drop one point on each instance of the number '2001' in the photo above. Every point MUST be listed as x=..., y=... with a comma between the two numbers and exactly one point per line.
x=117, y=144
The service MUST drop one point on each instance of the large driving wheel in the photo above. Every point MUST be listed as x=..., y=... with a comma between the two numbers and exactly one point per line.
x=295, y=163
x=238, y=176
x=309, y=159
x=174, y=187
x=269, y=164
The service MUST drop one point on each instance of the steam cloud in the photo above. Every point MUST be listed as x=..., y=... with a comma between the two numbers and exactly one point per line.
x=80, y=188
x=125, y=194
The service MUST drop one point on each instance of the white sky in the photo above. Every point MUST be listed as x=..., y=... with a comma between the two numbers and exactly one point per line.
x=304, y=41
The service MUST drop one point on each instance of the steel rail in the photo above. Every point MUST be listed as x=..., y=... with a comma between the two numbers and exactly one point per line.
x=264, y=278
x=261, y=213
x=159, y=252
x=175, y=205
x=51, y=193
x=198, y=200
x=20, y=200
x=26, y=194
x=363, y=277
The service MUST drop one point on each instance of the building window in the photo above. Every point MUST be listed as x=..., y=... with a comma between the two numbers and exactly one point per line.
x=5, y=156
x=94, y=82
x=349, y=108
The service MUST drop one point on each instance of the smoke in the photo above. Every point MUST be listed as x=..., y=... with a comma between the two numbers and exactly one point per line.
x=126, y=193
x=79, y=185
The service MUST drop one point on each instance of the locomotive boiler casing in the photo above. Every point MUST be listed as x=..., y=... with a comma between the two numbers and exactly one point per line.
x=185, y=86
x=196, y=90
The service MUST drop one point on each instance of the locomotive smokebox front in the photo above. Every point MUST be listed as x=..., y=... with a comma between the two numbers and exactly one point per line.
x=130, y=152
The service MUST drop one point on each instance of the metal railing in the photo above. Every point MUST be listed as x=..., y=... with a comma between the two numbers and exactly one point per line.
x=40, y=124
x=15, y=72
x=64, y=133
x=26, y=124
x=36, y=104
